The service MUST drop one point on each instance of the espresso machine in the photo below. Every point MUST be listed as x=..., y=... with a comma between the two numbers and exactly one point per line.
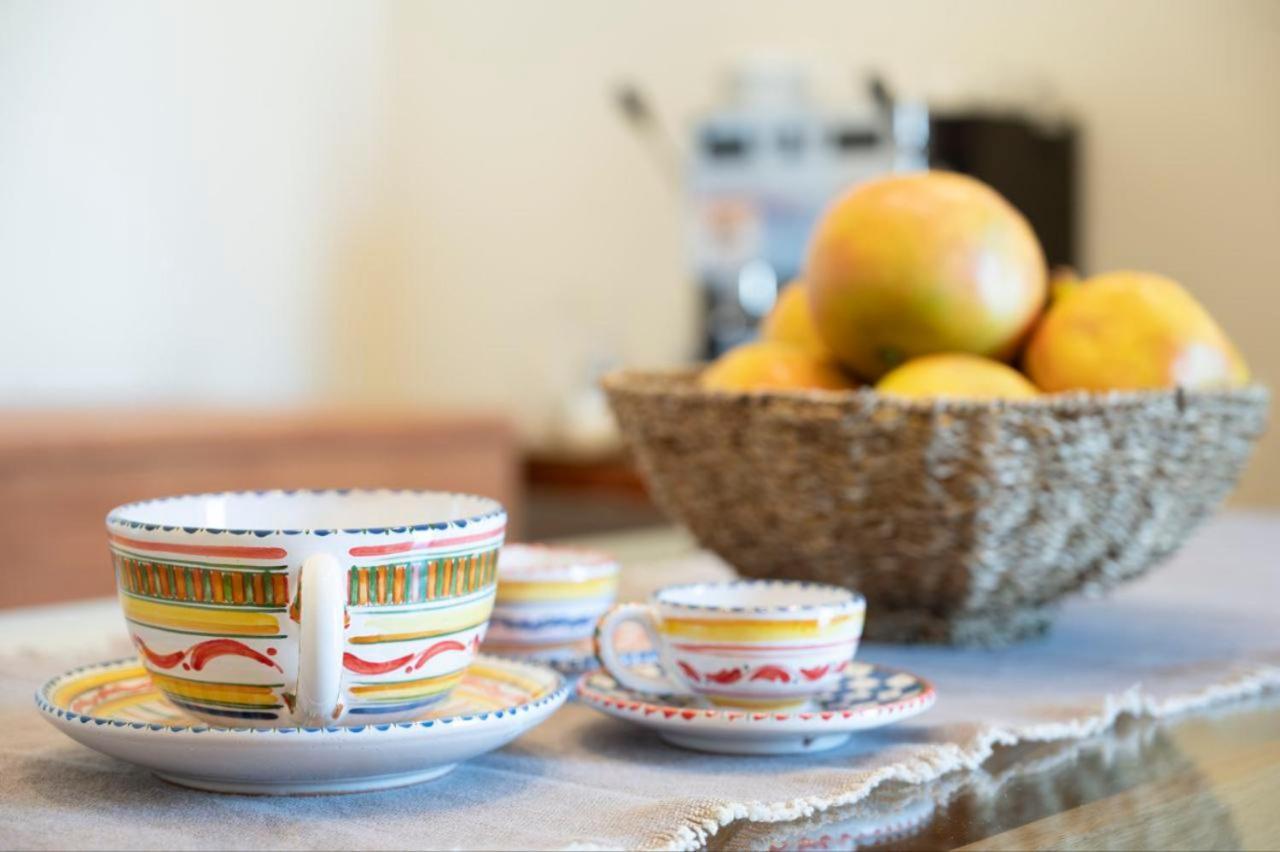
x=761, y=165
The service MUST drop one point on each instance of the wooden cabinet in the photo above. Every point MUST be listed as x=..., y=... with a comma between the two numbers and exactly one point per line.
x=60, y=472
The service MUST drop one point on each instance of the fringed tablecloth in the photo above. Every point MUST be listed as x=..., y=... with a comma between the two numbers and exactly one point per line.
x=1202, y=630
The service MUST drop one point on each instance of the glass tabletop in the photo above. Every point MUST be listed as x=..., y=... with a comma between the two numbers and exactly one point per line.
x=1208, y=781
x=1205, y=781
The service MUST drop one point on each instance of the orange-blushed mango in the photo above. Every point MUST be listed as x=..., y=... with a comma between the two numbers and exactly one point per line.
x=956, y=376
x=791, y=322
x=916, y=264
x=1131, y=331
x=772, y=366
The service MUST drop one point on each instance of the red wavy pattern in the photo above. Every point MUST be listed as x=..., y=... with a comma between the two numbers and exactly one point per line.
x=815, y=673
x=352, y=663
x=772, y=673
x=163, y=661
x=198, y=655
x=437, y=649
x=725, y=676
x=202, y=653
x=361, y=666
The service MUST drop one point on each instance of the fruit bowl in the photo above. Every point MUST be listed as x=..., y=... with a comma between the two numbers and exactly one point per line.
x=961, y=522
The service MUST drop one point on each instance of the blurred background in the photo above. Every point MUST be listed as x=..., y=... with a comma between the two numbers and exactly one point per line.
x=396, y=243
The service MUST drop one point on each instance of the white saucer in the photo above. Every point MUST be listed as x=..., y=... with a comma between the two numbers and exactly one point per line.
x=867, y=696
x=113, y=708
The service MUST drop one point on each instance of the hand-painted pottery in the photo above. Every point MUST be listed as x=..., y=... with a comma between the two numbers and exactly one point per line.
x=861, y=696
x=277, y=609
x=549, y=600
x=760, y=644
x=116, y=709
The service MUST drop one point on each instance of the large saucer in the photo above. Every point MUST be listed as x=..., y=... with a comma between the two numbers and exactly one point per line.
x=114, y=708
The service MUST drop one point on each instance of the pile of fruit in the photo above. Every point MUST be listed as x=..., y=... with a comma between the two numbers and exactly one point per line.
x=933, y=285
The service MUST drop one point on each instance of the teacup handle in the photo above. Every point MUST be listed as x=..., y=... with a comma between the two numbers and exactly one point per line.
x=606, y=632
x=322, y=640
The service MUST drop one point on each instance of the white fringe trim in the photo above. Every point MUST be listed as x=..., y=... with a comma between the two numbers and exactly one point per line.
x=945, y=758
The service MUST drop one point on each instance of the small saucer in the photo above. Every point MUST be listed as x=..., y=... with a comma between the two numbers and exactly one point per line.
x=867, y=696
x=114, y=708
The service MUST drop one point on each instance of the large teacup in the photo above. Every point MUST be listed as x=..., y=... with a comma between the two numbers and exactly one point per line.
x=307, y=608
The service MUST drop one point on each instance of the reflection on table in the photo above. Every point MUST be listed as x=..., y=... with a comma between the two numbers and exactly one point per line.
x=1204, y=782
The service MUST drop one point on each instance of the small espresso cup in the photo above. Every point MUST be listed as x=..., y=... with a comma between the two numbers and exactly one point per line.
x=549, y=600
x=754, y=644
x=307, y=608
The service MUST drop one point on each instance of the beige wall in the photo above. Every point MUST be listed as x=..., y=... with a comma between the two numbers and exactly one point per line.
x=172, y=177
x=437, y=202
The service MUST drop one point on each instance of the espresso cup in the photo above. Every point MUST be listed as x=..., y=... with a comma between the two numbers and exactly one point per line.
x=549, y=600
x=307, y=608
x=754, y=644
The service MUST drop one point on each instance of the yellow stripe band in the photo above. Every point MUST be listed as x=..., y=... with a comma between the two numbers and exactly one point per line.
x=749, y=630
x=73, y=689
x=534, y=688
x=408, y=689
x=401, y=627
x=758, y=704
x=234, y=694
x=516, y=591
x=383, y=638
x=200, y=619
x=115, y=705
x=467, y=699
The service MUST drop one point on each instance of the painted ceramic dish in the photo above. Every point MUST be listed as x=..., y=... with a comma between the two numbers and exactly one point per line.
x=745, y=644
x=115, y=708
x=549, y=600
x=865, y=696
x=289, y=608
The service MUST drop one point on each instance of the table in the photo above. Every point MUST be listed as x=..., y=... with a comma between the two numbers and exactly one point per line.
x=1206, y=780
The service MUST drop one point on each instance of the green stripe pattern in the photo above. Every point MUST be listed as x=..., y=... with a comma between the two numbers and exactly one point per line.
x=419, y=581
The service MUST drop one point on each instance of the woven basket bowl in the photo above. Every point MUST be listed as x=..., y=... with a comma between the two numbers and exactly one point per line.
x=961, y=522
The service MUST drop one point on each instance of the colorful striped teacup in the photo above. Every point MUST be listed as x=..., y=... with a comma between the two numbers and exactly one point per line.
x=757, y=644
x=307, y=608
x=549, y=600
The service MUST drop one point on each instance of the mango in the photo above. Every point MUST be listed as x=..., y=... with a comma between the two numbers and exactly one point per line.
x=1130, y=331
x=917, y=264
x=956, y=376
x=791, y=322
x=772, y=366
